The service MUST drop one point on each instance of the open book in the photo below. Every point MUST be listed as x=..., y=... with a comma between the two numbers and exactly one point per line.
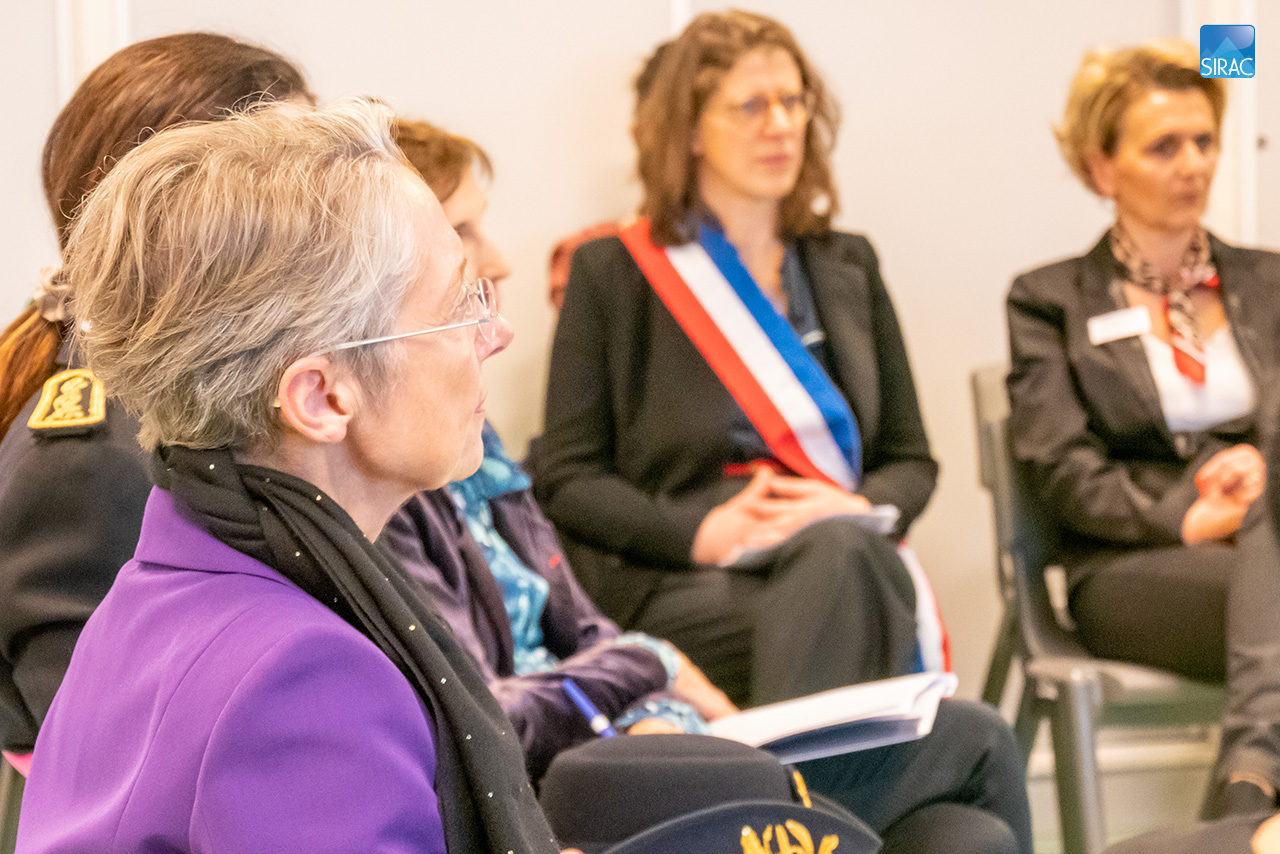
x=842, y=720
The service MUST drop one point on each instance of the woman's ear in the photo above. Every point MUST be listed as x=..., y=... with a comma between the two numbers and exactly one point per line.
x=1102, y=170
x=317, y=399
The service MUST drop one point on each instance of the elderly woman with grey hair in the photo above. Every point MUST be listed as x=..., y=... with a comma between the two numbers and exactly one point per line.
x=281, y=301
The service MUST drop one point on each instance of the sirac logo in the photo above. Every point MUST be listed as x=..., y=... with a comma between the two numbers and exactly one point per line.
x=1226, y=50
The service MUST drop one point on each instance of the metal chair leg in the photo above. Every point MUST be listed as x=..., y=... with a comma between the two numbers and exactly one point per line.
x=1026, y=722
x=1075, y=753
x=11, y=786
x=1001, y=658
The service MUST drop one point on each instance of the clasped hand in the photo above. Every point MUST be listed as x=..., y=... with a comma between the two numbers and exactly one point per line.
x=1228, y=483
x=771, y=508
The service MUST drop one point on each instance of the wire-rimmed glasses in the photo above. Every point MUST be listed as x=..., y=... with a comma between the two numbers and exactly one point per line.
x=477, y=306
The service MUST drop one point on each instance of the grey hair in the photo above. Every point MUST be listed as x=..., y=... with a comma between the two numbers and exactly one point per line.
x=215, y=255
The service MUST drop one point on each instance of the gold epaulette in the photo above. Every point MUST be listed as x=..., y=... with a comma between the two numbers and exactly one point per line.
x=72, y=402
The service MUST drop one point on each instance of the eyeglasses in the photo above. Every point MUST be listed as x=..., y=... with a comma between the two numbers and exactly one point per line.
x=797, y=105
x=477, y=306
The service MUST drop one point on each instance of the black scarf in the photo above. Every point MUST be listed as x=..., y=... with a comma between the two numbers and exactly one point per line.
x=486, y=803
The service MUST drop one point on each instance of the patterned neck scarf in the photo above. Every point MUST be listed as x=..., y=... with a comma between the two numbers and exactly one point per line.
x=524, y=592
x=1195, y=271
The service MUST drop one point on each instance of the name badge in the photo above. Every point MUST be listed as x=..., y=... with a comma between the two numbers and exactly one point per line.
x=1123, y=323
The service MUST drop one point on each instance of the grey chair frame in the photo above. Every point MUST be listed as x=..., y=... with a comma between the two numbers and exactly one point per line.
x=11, y=786
x=1061, y=680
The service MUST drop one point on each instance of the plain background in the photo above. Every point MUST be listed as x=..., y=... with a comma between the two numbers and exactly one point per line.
x=945, y=159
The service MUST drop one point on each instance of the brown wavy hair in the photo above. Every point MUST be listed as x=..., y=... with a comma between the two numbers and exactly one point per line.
x=440, y=157
x=681, y=78
x=141, y=89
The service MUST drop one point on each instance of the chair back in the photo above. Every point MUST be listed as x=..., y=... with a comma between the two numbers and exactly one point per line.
x=11, y=787
x=1062, y=680
x=1023, y=540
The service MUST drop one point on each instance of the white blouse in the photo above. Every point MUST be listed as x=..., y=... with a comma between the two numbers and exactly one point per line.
x=1227, y=391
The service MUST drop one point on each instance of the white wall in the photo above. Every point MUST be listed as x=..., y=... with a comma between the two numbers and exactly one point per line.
x=945, y=159
x=1268, y=96
x=27, y=241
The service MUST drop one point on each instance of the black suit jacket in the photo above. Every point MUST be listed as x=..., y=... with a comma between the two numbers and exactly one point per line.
x=1086, y=423
x=637, y=429
x=70, y=512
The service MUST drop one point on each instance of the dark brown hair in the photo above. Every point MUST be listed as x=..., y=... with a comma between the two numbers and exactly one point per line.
x=680, y=79
x=137, y=91
x=440, y=157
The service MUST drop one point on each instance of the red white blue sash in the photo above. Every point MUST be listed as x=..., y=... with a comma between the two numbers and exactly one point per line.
x=798, y=411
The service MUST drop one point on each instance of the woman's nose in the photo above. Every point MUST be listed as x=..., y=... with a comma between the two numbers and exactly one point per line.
x=781, y=120
x=1193, y=158
x=498, y=338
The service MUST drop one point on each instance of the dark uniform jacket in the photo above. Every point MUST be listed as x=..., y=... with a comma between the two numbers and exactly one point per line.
x=639, y=428
x=1086, y=423
x=71, y=502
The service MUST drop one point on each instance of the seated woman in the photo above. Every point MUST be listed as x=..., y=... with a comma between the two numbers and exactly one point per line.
x=1135, y=370
x=281, y=300
x=733, y=445
x=1243, y=832
x=73, y=481
x=492, y=562
x=494, y=569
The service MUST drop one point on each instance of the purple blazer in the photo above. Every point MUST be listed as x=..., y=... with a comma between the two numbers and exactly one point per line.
x=212, y=706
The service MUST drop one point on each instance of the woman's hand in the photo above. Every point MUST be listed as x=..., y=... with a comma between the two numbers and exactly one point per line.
x=771, y=508
x=1229, y=482
x=798, y=501
x=739, y=523
x=693, y=687
x=1267, y=838
x=654, y=726
x=1238, y=472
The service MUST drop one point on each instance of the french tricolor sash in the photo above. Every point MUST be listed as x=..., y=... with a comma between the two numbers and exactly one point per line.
x=789, y=399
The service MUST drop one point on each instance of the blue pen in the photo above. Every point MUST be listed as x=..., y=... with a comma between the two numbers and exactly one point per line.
x=598, y=722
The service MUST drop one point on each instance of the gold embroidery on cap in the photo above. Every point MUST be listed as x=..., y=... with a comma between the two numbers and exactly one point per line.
x=801, y=789
x=72, y=398
x=753, y=843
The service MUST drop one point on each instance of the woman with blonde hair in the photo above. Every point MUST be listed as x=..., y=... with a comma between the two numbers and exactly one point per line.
x=1136, y=371
x=281, y=300
x=72, y=480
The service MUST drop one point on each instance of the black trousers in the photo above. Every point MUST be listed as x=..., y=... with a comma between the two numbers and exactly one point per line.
x=832, y=606
x=1211, y=612
x=961, y=789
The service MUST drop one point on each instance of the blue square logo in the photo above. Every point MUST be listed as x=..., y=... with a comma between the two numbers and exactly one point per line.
x=1226, y=50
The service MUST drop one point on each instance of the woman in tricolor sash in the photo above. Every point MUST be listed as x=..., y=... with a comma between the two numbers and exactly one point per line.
x=492, y=567
x=733, y=445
